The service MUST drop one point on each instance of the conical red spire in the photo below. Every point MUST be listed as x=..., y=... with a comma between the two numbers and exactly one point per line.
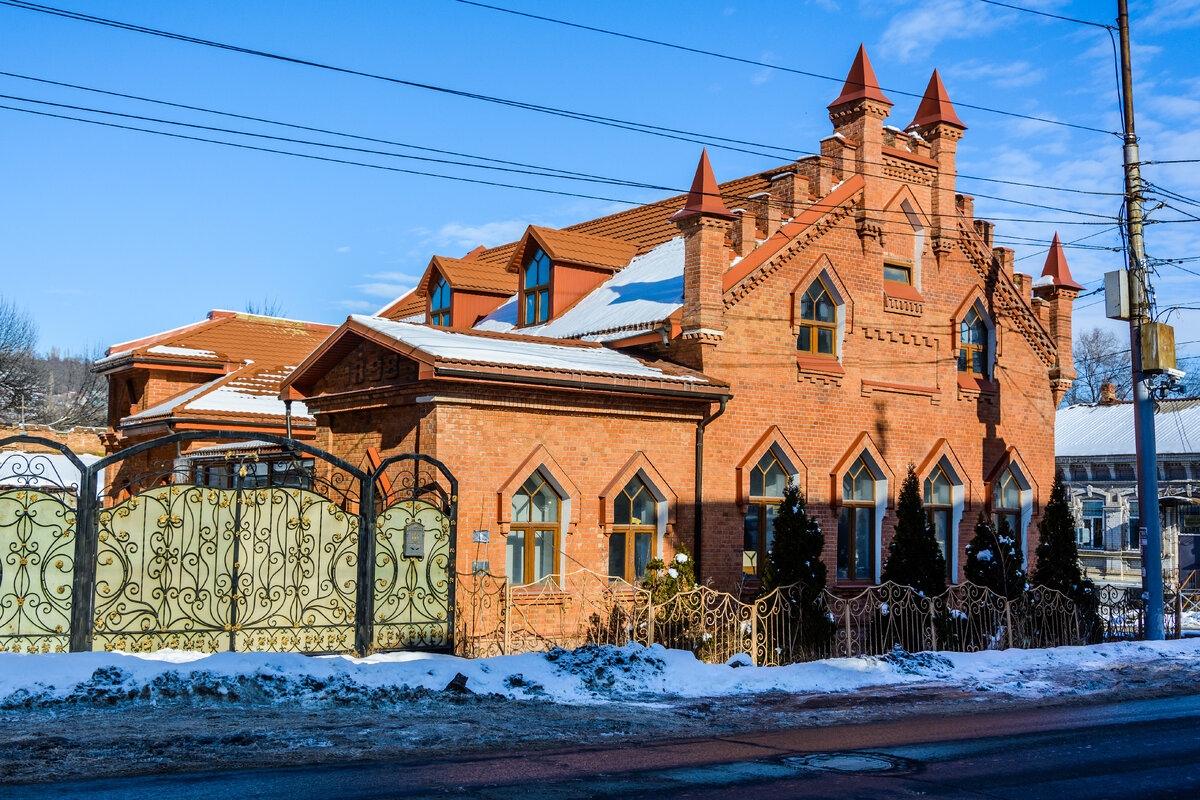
x=935, y=106
x=861, y=83
x=705, y=196
x=1056, y=267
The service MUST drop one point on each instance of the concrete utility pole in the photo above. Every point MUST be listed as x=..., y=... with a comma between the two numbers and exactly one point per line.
x=1143, y=404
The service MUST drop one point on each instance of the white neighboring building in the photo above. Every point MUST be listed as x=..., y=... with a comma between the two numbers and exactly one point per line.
x=1094, y=448
x=20, y=469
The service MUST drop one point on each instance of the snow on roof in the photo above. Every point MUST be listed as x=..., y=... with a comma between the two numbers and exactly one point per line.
x=1107, y=430
x=224, y=447
x=25, y=470
x=1045, y=280
x=539, y=355
x=171, y=404
x=162, y=349
x=249, y=392
x=647, y=291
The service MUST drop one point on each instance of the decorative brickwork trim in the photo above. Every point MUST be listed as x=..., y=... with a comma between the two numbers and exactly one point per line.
x=943, y=450
x=541, y=459
x=640, y=464
x=774, y=440
x=862, y=444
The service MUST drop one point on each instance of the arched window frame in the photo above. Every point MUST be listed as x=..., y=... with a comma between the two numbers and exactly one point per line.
x=667, y=502
x=1027, y=492
x=975, y=302
x=943, y=457
x=568, y=493
x=441, y=298
x=822, y=270
x=772, y=441
x=864, y=447
x=527, y=532
x=541, y=290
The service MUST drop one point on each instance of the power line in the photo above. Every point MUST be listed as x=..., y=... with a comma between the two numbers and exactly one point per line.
x=517, y=167
x=755, y=63
x=722, y=142
x=1047, y=14
x=292, y=140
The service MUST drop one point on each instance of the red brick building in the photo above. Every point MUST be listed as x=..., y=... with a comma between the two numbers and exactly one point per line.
x=650, y=380
x=222, y=373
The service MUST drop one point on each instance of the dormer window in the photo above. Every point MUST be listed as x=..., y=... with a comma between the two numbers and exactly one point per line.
x=535, y=286
x=439, y=303
x=818, y=321
x=973, y=344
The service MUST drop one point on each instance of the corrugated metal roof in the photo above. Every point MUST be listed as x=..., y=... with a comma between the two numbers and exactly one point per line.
x=1107, y=430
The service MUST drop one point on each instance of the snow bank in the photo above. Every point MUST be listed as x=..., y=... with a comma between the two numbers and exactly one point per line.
x=584, y=676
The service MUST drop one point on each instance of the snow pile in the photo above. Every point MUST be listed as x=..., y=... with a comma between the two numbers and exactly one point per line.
x=585, y=676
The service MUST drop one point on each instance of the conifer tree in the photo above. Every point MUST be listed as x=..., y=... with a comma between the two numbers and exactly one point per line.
x=795, y=558
x=914, y=557
x=1057, y=553
x=995, y=560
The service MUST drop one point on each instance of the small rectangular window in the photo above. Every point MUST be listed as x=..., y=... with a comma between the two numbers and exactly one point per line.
x=900, y=273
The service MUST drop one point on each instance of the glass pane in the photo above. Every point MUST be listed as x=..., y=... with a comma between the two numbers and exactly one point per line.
x=514, y=558
x=769, y=528
x=543, y=555
x=937, y=489
x=530, y=308
x=1093, y=508
x=825, y=341
x=520, y=506
x=775, y=481
x=1014, y=523
x=962, y=360
x=977, y=362
x=622, y=509
x=756, y=482
x=895, y=273
x=847, y=487
x=864, y=486
x=1012, y=495
x=641, y=553
x=543, y=312
x=806, y=307
x=940, y=517
x=545, y=505
x=996, y=495
x=804, y=341
x=750, y=541
x=843, y=544
x=616, y=555
x=543, y=272
x=862, y=543
x=826, y=311
x=644, y=507
x=978, y=332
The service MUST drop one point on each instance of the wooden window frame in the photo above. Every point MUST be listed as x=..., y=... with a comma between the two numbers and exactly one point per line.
x=529, y=530
x=629, y=531
x=967, y=350
x=758, y=505
x=537, y=290
x=442, y=316
x=942, y=508
x=900, y=265
x=999, y=510
x=848, y=506
x=814, y=325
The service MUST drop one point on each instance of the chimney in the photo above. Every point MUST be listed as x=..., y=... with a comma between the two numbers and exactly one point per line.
x=744, y=231
x=1108, y=394
x=936, y=123
x=985, y=229
x=1004, y=255
x=704, y=222
x=1059, y=290
x=766, y=210
x=792, y=189
x=818, y=172
x=857, y=116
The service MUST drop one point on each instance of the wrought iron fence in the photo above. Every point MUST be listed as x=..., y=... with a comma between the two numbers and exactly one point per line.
x=585, y=608
x=301, y=553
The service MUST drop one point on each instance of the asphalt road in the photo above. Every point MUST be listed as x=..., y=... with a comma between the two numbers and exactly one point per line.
x=1148, y=748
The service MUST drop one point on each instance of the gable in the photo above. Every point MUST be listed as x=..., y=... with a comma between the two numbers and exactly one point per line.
x=366, y=365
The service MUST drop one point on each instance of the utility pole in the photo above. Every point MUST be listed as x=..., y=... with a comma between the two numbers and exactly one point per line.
x=1143, y=404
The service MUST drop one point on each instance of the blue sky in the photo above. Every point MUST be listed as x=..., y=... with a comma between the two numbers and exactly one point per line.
x=111, y=234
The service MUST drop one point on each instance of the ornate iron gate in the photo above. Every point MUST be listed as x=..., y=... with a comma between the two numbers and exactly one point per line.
x=298, y=554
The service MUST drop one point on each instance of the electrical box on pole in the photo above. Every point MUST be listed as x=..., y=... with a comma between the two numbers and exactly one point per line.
x=1158, y=348
x=1116, y=294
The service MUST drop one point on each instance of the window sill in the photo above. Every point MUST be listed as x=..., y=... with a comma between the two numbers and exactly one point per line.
x=821, y=364
x=932, y=392
x=972, y=383
x=901, y=298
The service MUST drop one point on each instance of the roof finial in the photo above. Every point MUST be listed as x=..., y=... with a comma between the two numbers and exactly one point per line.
x=1056, y=267
x=861, y=83
x=935, y=106
x=705, y=196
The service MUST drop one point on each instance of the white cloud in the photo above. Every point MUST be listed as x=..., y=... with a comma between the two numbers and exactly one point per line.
x=919, y=28
x=384, y=290
x=764, y=74
x=1168, y=15
x=466, y=238
x=1010, y=75
x=357, y=305
x=345, y=249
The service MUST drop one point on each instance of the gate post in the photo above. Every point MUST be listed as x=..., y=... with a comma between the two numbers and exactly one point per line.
x=365, y=590
x=754, y=635
x=83, y=576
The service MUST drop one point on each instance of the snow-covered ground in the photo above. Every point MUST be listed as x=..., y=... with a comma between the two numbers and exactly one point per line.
x=589, y=675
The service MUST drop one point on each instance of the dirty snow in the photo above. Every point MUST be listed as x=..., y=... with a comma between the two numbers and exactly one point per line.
x=589, y=675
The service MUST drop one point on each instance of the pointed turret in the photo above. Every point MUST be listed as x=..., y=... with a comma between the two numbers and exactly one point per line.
x=705, y=196
x=861, y=83
x=1056, y=267
x=935, y=106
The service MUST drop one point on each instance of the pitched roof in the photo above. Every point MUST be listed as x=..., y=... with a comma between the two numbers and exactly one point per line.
x=247, y=394
x=935, y=106
x=1056, y=266
x=1107, y=430
x=575, y=247
x=404, y=307
x=224, y=337
x=468, y=276
x=861, y=83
